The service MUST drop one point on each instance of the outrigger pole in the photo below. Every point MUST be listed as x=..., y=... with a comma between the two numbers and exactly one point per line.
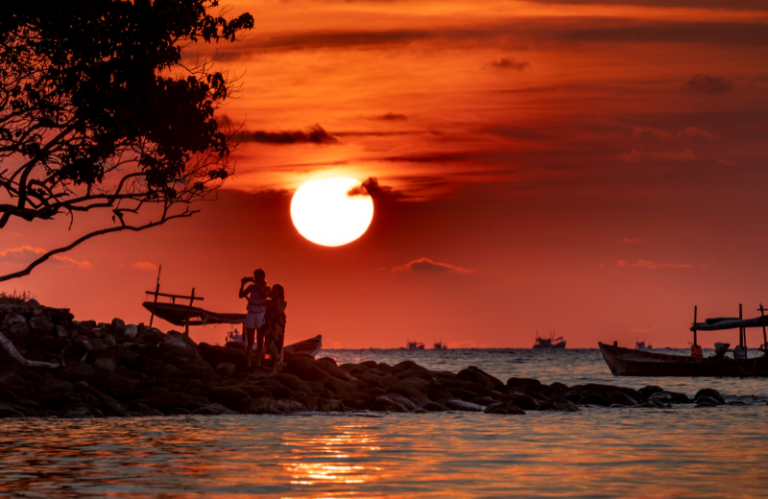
x=762, y=315
x=157, y=292
x=695, y=310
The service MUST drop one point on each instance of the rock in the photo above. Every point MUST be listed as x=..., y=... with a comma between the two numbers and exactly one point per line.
x=414, y=389
x=708, y=401
x=435, y=407
x=213, y=410
x=225, y=369
x=524, y=401
x=118, y=326
x=10, y=411
x=738, y=403
x=591, y=399
x=503, y=409
x=234, y=398
x=42, y=323
x=131, y=330
x=558, y=403
x=660, y=396
x=104, y=360
x=14, y=319
x=392, y=403
x=306, y=369
x=178, y=411
x=269, y=406
x=461, y=405
x=330, y=405
x=77, y=371
x=620, y=398
x=467, y=390
x=485, y=401
x=143, y=409
x=709, y=392
x=679, y=398
x=342, y=389
x=436, y=391
x=173, y=400
x=293, y=382
x=477, y=375
x=180, y=344
x=523, y=384
x=80, y=410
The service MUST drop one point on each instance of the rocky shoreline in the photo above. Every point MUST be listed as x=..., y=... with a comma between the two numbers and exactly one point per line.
x=89, y=369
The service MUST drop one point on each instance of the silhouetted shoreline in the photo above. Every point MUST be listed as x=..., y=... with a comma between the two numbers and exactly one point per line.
x=125, y=370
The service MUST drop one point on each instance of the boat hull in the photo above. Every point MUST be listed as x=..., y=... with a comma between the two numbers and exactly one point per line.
x=309, y=347
x=630, y=362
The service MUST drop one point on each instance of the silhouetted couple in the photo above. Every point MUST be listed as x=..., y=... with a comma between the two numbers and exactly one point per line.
x=265, y=319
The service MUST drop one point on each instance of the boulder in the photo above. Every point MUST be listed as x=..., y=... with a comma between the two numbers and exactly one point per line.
x=477, y=375
x=306, y=369
x=269, y=406
x=293, y=382
x=330, y=405
x=435, y=407
x=342, y=389
x=591, y=398
x=436, y=391
x=118, y=326
x=79, y=410
x=709, y=392
x=234, y=398
x=42, y=323
x=523, y=384
x=143, y=409
x=705, y=400
x=503, y=409
x=558, y=403
x=392, y=403
x=485, y=401
x=213, y=410
x=461, y=405
x=660, y=396
x=131, y=331
x=414, y=389
x=619, y=398
x=10, y=411
x=180, y=344
x=225, y=369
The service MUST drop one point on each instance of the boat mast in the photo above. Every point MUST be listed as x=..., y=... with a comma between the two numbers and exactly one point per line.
x=762, y=315
x=695, y=310
x=157, y=292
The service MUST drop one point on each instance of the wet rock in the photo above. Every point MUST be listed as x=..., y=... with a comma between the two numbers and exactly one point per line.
x=342, y=389
x=591, y=399
x=10, y=411
x=435, y=407
x=558, y=404
x=660, y=396
x=392, y=403
x=331, y=405
x=709, y=392
x=461, y=405
x=467, y=390
x=504, y=409
x=234, y=398
x=485, y=401
x=164, y=403
x=225, y=369
x=523, y=384
x=213, y=410
x=619, y=398
x=436, y=391
x=477, y=375
x=79, y=410
x=737, y=403
x=708, y=401
x=269, y=406
x=679, y=398
x=414, y=389
x=143, y=409
x=524, y=401
x=178, y=411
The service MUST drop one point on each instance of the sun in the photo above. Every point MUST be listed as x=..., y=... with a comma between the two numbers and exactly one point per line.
x=324, y=213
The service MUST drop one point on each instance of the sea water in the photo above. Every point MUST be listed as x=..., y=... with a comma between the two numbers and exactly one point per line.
x=679, y=452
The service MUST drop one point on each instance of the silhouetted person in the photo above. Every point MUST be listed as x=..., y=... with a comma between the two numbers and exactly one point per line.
x=256, y=294
x=274, y=325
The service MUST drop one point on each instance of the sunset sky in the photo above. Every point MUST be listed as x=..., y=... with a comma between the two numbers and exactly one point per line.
x=589, y=169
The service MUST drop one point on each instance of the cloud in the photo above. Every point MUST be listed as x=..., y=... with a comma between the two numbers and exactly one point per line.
x=640, y=155
x=691, y=132
x=709, y=84
x=509, y=64
x=653, y=265
x=313, y=135
x=391, y=117
x=25, y=254
x=427, y=265
x=630, y=240
x=144, y=266
x=371, y=186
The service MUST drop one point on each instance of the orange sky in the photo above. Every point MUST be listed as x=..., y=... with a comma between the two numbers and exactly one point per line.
x=598, y=167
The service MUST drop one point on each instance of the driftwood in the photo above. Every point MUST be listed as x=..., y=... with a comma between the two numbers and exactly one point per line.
x=11, y=349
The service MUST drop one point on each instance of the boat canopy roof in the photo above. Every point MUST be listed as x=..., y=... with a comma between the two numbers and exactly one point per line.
x=720, y=323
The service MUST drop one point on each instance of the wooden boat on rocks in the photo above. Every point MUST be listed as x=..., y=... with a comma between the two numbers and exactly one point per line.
x=633, y=362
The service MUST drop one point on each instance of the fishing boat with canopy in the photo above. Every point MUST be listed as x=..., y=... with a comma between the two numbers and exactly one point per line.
x=633, y=362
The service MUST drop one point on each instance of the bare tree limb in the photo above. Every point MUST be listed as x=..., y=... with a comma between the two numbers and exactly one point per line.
x=11, y=349
x=48, y=255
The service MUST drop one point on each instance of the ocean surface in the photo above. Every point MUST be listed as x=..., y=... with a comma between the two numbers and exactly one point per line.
x=596, y=452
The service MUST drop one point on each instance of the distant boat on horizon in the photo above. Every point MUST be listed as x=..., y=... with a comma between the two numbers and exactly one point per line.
x=549, y=343
x=640, y=345
x=415, y=345
x=439, y=345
